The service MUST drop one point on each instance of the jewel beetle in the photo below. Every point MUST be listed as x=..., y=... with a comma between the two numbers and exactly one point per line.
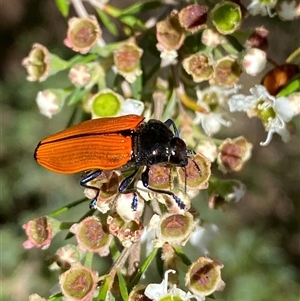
x=114, y=143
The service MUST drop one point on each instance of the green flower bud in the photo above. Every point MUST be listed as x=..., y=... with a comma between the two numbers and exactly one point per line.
x=227, y=17
x=106, y=103
x=198, y=66
x=204, y=277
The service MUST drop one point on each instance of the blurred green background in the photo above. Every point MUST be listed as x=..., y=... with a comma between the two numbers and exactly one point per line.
x=258, y=240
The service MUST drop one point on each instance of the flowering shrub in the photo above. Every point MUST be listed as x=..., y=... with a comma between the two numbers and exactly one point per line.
x=186, y=66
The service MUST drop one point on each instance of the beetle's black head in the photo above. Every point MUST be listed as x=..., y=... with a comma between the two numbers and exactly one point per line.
x=178, y=152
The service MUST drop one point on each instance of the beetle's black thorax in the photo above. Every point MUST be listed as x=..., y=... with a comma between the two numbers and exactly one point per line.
x=151, y=143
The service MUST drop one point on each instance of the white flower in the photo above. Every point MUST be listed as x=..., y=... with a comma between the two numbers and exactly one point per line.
x=238, y=192
x=211, y=123
x=208, y=149
x=157, y=292
x=273, y=112
x=49, y=102
x=168, y=57
x=254, y=61
x=261, y=7
x=211, y=38
x=288, y=10
x=132, y=106
x=212, y=101
x=294, y=99
x=201, y=239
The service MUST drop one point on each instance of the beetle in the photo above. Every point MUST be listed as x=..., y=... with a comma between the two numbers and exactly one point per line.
x=114, y=143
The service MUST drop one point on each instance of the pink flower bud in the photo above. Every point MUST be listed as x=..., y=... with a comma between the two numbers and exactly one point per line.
x=91, y=236
x=169, y=34
x=204, y=277
x=83, y=34
x=78, y=283
x=233, y=153
x=254, y=61
x=198, y=66
x=193, y=17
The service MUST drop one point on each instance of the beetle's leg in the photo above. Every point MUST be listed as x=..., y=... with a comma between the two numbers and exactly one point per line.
x=145, y=180
x=171, y=123
x=190, y=152
x=123, y=188
x=88, y=178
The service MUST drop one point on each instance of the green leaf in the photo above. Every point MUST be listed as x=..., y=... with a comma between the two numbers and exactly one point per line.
x=110, y=26
x=67, y=207
x=80, y=59
x=63, y=7
x=140, y=7
x=136, y=87
x=104, y=289
x=171, y=105
x=131, y=21
x=77, y=95
x=182, y=256
x=106, y=50
x=292, y=86
x=142, y=269
x=56, y=297
x=88, y=260
x=122, y=286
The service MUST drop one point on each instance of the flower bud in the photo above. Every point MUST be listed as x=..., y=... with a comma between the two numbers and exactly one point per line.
x=288, y=10
x=196, y=174
x=198, y=66
x=226, y=72
x=79, y=75
x=223, y=192
x=208, y=149
x=258, y=39
x=160, y=176
x=83, y=34
x=109, y=189
x=124, y=208
x=40, y=63
x=91, y=236
x=137, y=293
x=169, y=34
x=204, y=277
x=132, y=106
x=193, y=18
x=36, y=297
x=211, y=38
x=254, y=61
x=233, y=153
x=65, y=257
x=174, y=229
x=127, y=61
x=40, y=232
x=294, y=99
x=106, y=103
x=262, y=7
x=227, y=17
x=51, y=101
x=78, y=283
x=37, y=63
x=127, y=232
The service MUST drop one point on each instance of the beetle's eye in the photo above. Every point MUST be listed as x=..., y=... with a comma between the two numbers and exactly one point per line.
x=178, y=152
